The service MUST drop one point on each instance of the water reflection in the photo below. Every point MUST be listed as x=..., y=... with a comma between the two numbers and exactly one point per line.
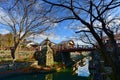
x=49, y=77
x=53, y=76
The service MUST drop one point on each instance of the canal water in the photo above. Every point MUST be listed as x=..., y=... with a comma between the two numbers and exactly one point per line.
x=50, y=76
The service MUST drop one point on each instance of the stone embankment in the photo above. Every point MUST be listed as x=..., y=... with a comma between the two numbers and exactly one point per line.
x=9, y=69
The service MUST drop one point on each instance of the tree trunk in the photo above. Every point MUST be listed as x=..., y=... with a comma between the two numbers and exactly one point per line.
x=104, y=52
x=115, y=52
x=15, y=48
x=107, y=59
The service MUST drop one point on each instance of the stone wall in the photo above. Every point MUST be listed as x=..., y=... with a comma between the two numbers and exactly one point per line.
x=6, y=55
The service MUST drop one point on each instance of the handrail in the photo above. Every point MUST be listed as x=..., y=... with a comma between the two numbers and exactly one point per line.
x=76, y=48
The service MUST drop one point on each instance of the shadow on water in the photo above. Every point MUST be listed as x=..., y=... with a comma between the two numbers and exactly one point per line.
x=51, y=76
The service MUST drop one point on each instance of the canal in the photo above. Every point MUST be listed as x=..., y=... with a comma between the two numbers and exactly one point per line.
x=51, y=76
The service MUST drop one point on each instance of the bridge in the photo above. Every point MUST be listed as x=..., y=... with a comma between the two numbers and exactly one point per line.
x=64, y=53
x=76, y=48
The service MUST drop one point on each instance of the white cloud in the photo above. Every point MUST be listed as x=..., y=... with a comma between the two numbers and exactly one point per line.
x=77, y=27
x=53, y=37
x=79, y=42
x=4, y=31
x=4, y=17
x=50, y=36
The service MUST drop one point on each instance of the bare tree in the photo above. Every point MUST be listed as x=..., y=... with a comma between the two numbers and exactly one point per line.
x=90, y=13
x=23, y=18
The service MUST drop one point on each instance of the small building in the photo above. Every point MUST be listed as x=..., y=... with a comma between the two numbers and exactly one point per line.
x=46, y=41
x=116, y=37
x=67, y=44
x=64, y=45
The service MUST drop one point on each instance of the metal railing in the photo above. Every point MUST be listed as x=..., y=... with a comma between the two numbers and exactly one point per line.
x=76, y=48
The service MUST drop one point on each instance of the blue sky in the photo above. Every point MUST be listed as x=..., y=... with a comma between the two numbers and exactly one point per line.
x=60, y=32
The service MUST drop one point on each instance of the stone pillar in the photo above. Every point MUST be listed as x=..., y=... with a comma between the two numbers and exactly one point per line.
x=49, y=56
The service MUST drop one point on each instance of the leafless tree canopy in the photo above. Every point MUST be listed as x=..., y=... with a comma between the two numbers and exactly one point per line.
x=96, y=17
x=87, y=11
x=23, y=18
